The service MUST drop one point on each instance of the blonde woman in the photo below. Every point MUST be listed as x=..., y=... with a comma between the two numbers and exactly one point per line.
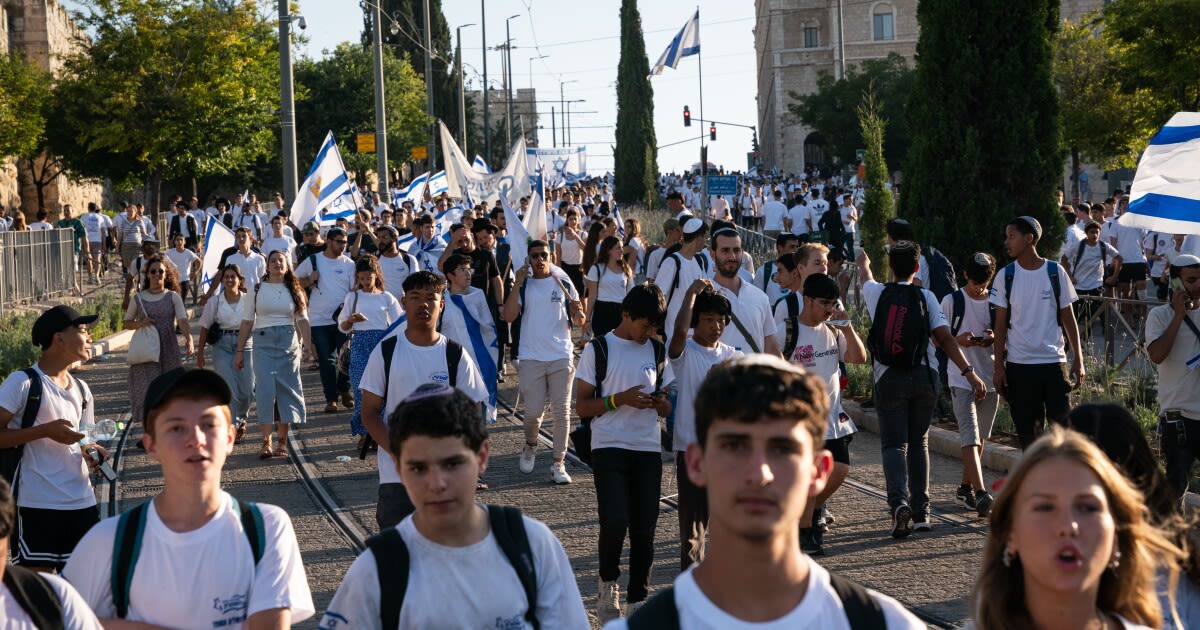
x=1070, y=545
x=276, y=313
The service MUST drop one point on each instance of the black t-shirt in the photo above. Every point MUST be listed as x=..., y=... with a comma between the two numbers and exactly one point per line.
x=484, y=268
x=368, y=244
x=304, y=250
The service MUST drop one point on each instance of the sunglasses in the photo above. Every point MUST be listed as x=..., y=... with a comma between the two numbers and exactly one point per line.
x=156, y=272
x=339, y=241
x=540, y=255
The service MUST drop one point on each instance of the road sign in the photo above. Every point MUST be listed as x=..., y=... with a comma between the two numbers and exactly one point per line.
x=722, y=184
x=366, y=142
x=420, y=153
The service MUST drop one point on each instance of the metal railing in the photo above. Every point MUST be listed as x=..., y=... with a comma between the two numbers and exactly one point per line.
x=35, y=265
x=1123, y=324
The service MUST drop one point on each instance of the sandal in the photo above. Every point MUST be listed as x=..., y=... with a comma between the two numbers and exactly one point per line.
x=239, y=433
x=265, y=453
x=281, y=450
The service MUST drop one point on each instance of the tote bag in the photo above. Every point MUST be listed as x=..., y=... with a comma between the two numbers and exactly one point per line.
x=144, y=347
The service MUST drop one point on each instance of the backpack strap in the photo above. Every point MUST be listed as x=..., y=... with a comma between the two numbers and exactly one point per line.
x=957, y=311
x=793, y=304
x=600, y=348
x=862, y=611
x=33, y=404
x=1053, y=271
x=454, y=354
x=791, y=336
x=1010, y=270
x=252, y=525
x=131, y=525
x=35, y=597
x=768, y=270
x=1079, y=255
x=660, y=361
x=388, y=348
x=675, y=281
x=509, y=529
x=391, y=565
x=658, y=613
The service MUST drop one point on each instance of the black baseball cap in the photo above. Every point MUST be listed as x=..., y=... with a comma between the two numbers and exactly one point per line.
x=56, y=320
x=161, y=388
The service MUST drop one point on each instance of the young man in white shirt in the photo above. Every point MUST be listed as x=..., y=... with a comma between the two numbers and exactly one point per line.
x=548, y=305
x=55, y=501
x=395, y=263
x=753, y=327
x=625, y=402
x=419, y=355
x=1034, y=324
x=185, y=224
x=764, y=276
x=1174, y=346
x=706, y=313
x=330, y=275
x=1087, y=265
x=678, y=271
x=187, y=263
x=454, y=551
x=467, y=319
x=279, y=240
x=197, y=562
x=758, y=423
x=821, y=346
x=99, y=228
x=906, y=386
x=775, y=215
x=42, y=223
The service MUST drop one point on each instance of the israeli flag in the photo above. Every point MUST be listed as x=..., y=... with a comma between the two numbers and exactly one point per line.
x=480, y=166
x=1165, y=196
x=326, y=181
x=685, y=44
x=438, y=184
x=414, y=191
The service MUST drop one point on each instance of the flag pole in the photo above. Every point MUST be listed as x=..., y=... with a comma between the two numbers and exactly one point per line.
x=703, y=147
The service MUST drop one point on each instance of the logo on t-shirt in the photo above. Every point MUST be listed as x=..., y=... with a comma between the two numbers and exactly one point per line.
x=226, y=606
x=1047, y=294
x=440, y=377
x=555, y=297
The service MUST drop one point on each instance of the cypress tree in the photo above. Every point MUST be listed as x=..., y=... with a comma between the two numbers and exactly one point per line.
x=877, y=207
x=636, y=152
x=985, y=123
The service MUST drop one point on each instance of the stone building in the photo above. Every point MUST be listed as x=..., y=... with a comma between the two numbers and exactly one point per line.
x=42, y=31
x=796, y=40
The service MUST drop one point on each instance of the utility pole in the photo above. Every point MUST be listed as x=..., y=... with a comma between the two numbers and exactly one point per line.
x=487, y=101
x=381, y=165
x=562, y=104
x=553, y=131
x=504, y=84
x=431, y=155
x=508, y=86
x=462, y=96
x=287, y=104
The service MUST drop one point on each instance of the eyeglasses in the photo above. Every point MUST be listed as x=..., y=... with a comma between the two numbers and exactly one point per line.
x=156, y=272
x=540, y=255
x=339, y=241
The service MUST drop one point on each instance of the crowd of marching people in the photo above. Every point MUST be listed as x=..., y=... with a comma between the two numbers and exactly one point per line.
x=684, y=351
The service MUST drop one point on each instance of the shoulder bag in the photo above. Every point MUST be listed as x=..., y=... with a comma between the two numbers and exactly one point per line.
x=144, y=347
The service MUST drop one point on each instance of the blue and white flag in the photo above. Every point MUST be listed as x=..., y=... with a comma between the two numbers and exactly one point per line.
x=414, y=191
x=558, y=166
x=438, y=184
x=1165, y=196
x=685, y=44
x=480, y=166
x=326, y=181
x=217, y=238
x=468, y=320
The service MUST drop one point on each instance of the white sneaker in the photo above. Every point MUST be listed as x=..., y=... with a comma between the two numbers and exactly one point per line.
x=527, y=458
x=608, y=602
x=558, y=470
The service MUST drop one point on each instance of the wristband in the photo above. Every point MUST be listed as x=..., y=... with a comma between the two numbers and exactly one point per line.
x=968, y=370
x=607, y=405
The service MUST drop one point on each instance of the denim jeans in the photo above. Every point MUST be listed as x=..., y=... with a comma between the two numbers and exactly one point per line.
x=277, y=383
x=241, y=383
x=327, y=340
x=904, y=401
x=1037, y=392
x=628, y=484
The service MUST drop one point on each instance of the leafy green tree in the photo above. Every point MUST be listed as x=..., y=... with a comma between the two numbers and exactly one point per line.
x=1103, y=121
x=168, y=89
x=1159, y=50
x=636, y=155
x=23, y=102
x=984, y=117
x=878, y=206
x=339, y=98
x=833, y=110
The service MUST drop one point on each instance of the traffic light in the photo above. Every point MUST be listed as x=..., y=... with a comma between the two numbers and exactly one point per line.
x=712, y=132
x=687, y=117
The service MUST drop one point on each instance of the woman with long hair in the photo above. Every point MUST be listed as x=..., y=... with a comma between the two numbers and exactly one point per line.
x=1070, y=545
x=18, y=221
x=367, y=312
x=591, y=246
x=225, y=310
x=635, y=247
x=276, y=313
x=1118, y=434
x=608, y=280
x=157, y=303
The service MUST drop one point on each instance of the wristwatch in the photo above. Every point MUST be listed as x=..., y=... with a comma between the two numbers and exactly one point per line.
x=970, y=368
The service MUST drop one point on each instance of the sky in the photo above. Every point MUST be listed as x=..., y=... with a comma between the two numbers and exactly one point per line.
x=582, y=41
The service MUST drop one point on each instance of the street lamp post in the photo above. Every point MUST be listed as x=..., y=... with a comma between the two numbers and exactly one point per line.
x=487, y=104
x=381, y=165
x=462, y=97
x=531, y=60
x=508, y=87
x=562, y=102
x=532, y=98
x=431, y=148
x=287, y=101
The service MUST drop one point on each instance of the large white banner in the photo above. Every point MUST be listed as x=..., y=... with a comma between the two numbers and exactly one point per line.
x=558, y=166
x=466, y=183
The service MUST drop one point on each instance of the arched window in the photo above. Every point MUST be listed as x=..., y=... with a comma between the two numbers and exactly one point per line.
x=883, y=18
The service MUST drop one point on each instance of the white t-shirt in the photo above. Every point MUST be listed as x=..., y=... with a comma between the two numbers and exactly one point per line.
x=75, y=612
x=202, y=579
x=1128, y=242
x=395, y=270
x=96, y=224
x=228, y=316
x=800, y=216
x=773, y=290
x=269, y=305
x=1089, y=273
x=478, y=579
x=688, y=271
x=1178, y=386
x=873, y=290
x=654, y=263
x=1158, y=244
x=690, y=368
x=819, y=350
x=252, y=265
x=545, y=327
x=413, y=366
x=630, y=364
x=381, y=310
x=335, y=281
x=773, y=213
x=182, y=260
x=922, y=271
x=571, y=252
x=753, y=310
x=816, y=208
x=1034, y=336
x=611, y=286
x=53, y=476
x=851, y=224
x=821, y=608
x=40, y=226
x=976, y=319
x=281, y=244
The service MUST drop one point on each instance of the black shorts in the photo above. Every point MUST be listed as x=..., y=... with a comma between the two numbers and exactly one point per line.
x=840, y=448
x=1133, y=272
x=46, y=538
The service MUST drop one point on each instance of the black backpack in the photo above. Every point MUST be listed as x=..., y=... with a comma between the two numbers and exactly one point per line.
x=392, y=563
x=35, y=596
x=862, y=611
x=10, y=458
x=941, y=273
x=768, y=271
x=958, y=309
x=1079, y=256
x=581, y=437
x=831, y=224
x=387, y=347
x=900, y=331
x=702, y=261
x=792, y=323
x=1010, y=271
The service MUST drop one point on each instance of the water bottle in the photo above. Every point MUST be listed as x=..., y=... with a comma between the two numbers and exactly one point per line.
x=105, y=430
x=88, y=429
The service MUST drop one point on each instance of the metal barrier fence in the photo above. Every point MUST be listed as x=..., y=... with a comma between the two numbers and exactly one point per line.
x=35, y=265
x=1123, y=329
